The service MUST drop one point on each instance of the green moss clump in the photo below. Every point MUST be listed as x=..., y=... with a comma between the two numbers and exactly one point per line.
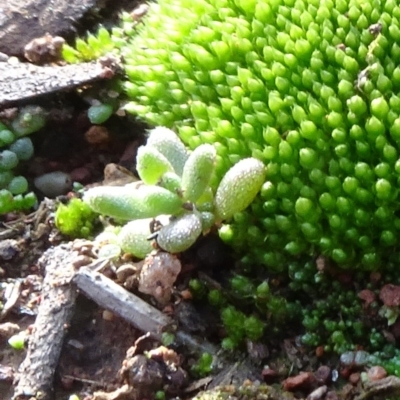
x=249, y=391
x=203, y=367
x=93, y=47
x=75, y=219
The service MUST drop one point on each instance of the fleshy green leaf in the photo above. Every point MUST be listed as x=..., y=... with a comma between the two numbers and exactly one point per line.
x=151, y=165
x=169, y=144
x=133, y=238
x=130, y=202
x=197, y=172
x=171, y=182
x=180, y=234
x=239, y=187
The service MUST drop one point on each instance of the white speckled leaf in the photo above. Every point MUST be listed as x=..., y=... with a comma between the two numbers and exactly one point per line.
x=168, y=143
x=129, y=203
x=180, y=234
x=239, y=187
x=157, y=200
x=115, y=202
x=151, y=164
x=197, y=172
x=172, y=182
x=133, y=238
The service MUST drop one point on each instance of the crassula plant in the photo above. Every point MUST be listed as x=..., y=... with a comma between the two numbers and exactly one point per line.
x=16, y=147
x=174, y=201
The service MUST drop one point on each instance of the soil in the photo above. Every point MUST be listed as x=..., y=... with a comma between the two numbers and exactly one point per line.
x=103, y=356
x=24, y=20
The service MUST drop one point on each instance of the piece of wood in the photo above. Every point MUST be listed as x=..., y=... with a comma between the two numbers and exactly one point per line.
x=111, y=296
x=108, y=294
x=51, y=325
x=23, y=81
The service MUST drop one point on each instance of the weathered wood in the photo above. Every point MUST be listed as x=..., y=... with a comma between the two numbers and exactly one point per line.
x=109, y=295
x=54, y=315
x=22, y=81
x=133, y=309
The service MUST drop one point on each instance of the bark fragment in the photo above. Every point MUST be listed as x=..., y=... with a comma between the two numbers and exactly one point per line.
x=24, y=81
x=51, y=325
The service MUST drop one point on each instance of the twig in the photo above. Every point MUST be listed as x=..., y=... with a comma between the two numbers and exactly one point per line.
x=83, y=380
x=133, y=309
x=54, y=315
x=109, y=295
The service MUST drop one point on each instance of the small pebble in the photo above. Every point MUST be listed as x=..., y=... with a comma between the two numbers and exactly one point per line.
x=269, y=375
x=158, y=275
x=53, y=184
x=97, y=135
x=186, y=294
x=7, y=329
x=323, y=374
x=44, y=50
x=81, y=175
x=354, y=378
x=124, y=271
x=302, y=381
x=107, y=315
x=317, y=394
x=319, y=351
x=83, y=246
x=81, y=261
x=8, y=249
x=140, y=11
x=376, y=373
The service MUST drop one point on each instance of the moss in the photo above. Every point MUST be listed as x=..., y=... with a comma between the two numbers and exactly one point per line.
x=75, y=219
x=276, y=81
x=310, y=90
x=244, y=392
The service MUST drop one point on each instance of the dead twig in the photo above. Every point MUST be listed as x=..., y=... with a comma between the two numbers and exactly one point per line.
x=51, y=325
x=109, y=295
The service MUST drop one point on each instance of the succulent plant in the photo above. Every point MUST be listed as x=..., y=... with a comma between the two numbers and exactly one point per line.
x=99, y=113
x=187, y=203
x=16, y=146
